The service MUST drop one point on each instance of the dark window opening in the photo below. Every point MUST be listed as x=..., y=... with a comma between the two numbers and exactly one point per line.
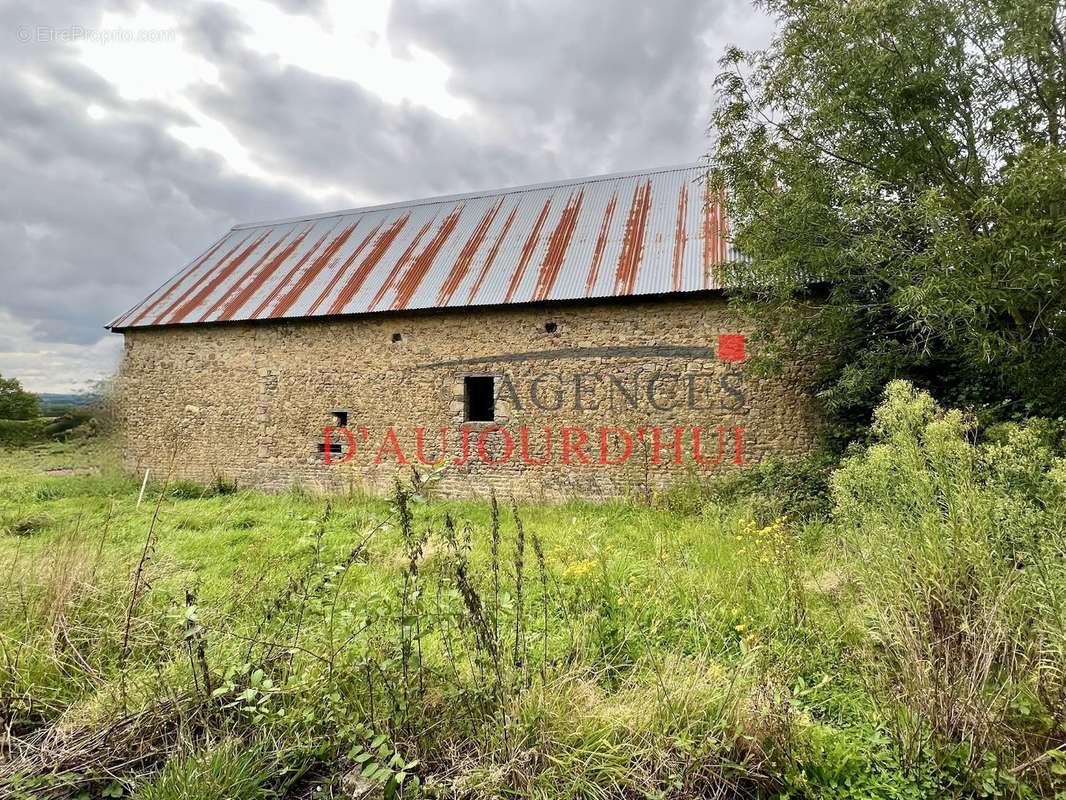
x=480, y=398
x=334, y=447
x=341, y=418
x=397, y=337
x=551, y=327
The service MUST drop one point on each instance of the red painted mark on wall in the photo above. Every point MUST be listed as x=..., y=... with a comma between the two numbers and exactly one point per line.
x=466, y=255
x=527, y=251
x=313, y=271
x=558, y=243
x=601, y=244
x=715, y=233
x=410, y=282
x=280, y=286
x=362, y=272
x=680, y=238
x=258, y=274
x=633, y=242
x=731, y=347
x=185, y=295
x=177, y=282
x=491, y=257
x=342, y=270
x=401, y=262
x=217, y=279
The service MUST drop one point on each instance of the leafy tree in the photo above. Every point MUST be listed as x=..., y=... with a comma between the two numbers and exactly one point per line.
x=16, y=402
x=896, y=170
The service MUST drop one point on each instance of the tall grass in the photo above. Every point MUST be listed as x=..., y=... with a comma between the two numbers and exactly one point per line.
x=898, y=636
x=957, y=549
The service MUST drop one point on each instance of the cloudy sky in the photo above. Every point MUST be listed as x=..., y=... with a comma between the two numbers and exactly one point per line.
x=132, y=135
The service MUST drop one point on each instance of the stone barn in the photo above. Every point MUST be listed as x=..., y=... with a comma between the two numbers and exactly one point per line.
x=555, y=340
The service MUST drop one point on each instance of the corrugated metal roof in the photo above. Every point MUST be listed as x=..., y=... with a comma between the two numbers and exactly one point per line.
x=650, y=232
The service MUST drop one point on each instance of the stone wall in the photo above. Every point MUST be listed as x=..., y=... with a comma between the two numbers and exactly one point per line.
x=249, y=401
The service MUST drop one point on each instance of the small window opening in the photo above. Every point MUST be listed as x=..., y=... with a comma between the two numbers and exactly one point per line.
x=397, y=337
x=334, y=447
x=480, y=398
x=341, y=418
x=550, y=327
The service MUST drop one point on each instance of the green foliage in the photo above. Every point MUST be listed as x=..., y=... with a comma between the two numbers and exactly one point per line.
x=57, y=405
x=191, y=490
x=16, y=402
x=230, y=770
x=21, y=523
x=797, y=488
x=378, y=761
x=909, y=643
x=908, y=157
x=21, y=433
x=63, y=425
x=959, y=553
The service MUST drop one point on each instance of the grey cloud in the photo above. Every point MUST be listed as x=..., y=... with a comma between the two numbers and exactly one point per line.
x=616, y=83
x=337, y=133
x=53, y=366
x=94, y=214
x=213, y=30
x=558, y=89
x=309, y=7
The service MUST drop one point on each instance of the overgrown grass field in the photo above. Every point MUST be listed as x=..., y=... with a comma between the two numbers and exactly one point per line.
x=894, y=628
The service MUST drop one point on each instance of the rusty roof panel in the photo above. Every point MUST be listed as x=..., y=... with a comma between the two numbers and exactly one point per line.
x=649, y=232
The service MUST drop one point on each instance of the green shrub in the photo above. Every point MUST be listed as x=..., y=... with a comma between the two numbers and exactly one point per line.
x=797, y=488
x=191, y=490
x=778, y=487
x=187, y=490
x=16, y=402
x=21, y=433
x=63, y=425
x=20, y=523
x=956, y=547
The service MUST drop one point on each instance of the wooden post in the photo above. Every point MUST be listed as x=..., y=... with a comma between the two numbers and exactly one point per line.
x=144, y=483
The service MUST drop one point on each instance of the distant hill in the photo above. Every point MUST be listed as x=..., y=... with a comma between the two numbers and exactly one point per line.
x=52, y=402
x=48, y=398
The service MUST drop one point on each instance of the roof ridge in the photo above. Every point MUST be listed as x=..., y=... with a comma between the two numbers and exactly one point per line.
x=472, y=195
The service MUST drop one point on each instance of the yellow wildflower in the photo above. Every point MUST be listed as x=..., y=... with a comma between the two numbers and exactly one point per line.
x=579, y=569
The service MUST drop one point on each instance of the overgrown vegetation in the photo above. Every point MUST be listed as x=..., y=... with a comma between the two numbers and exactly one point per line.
x=21, y=432
x=896, y=628
x=907, y=160
x=16, y=402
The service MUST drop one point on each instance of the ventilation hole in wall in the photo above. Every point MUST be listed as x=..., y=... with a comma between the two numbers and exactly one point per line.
x=341, y=418
x=334, y=447
x=550, y=327
x=397, y=337
x=479, y=398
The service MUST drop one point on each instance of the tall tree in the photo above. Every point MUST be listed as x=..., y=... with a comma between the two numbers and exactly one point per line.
x=905, y=157
x=16, y=402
